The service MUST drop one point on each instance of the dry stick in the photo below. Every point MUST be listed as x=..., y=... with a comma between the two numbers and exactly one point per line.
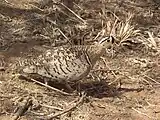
x=98, y=35
x=73, y=13
x=36, y=113
x=111, y=72
x=64, y=36
x=52, y=107
x=149, y=83
x=52, y=88
x=36, y=7
x=143, y=113
x=152, y=79
x=22, y=109
x=114, y=14
x=113, y=27
x=77, y=6
x=44, y=36
x=51, y=116
x=20, y=29
x=52, y=22
x=101, y=33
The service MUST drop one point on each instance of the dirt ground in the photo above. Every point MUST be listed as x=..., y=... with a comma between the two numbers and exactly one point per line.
x=124, y=84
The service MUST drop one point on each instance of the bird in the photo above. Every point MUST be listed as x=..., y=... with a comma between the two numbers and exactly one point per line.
x=65, y=64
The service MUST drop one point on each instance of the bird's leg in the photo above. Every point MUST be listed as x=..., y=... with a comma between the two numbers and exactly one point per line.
x=68, y=86
x=46, y=81
x=79, y=87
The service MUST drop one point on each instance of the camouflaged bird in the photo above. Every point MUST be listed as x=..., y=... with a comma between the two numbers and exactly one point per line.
x=66, y=64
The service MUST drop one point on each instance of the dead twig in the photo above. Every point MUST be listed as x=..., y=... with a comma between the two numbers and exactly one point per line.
x=64, y=36
x=152, y=41
x=22, y=108
x=113, y=73
x=35, y=7
x=51, y=116
x=143, y=113
x=37, y=114
x=152, y=79
x=52, y=88
x=52, y=107
x=73, y=13
x=47, y=86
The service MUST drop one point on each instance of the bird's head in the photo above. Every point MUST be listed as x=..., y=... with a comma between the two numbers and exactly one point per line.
x=107, y=42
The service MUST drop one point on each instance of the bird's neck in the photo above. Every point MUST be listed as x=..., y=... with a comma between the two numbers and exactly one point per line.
x=94, y=53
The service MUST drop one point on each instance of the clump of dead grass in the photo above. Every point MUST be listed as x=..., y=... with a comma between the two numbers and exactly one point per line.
x=122, y=30
x=152, y=41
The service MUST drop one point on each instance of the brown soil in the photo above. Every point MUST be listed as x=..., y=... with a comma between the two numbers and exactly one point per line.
x=127, y=87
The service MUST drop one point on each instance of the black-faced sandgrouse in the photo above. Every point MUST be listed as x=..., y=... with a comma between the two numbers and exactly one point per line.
x=65, y=64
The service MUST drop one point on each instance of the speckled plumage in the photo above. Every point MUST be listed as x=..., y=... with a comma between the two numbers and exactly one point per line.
x=65, y=63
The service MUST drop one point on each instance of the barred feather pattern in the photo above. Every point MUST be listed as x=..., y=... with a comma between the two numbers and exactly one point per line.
x=63, y=63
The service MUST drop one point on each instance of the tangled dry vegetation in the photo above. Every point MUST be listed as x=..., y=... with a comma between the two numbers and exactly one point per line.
x=124, y=84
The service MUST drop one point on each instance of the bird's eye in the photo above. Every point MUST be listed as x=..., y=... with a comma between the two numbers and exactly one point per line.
x=108, y=40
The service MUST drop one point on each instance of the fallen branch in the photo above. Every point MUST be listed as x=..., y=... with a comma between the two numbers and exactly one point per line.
x=22, y=108
x=52, y=115
x=52, y=88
